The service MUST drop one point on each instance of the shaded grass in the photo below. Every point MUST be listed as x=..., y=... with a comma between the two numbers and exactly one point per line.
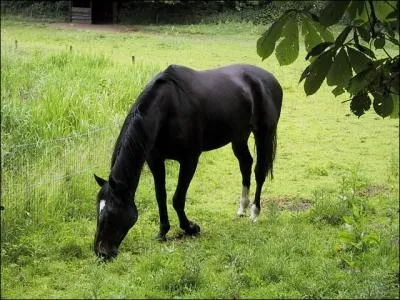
x=47, y=229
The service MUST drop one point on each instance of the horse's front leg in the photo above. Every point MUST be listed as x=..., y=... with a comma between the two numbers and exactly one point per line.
x=157, y=168
x=186, y=172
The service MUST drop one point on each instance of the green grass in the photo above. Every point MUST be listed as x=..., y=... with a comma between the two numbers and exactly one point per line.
x=53, y=102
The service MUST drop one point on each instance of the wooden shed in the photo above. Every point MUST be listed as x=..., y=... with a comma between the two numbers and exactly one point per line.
x=93, y=12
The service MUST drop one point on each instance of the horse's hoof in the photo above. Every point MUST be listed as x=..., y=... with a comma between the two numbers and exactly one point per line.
x=255, y=212
x=240, y=213
x=161, y=237
x=193, y=229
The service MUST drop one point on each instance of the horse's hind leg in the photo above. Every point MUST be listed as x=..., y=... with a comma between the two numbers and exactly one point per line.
x=265, y=146
x=242, y=153
x=186, y=172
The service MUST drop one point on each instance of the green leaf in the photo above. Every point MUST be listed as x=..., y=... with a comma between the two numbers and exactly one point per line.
x=348, y=221
x=383, y=106
x=379, y=42
x=371, y=240
x=317, y=72
x=340, y=72
x=333, y=12
x=345, y=236
x=338, y=91
x=361, y=81
x=266, y=43
x=382, y=10
x=393, y=40
x=365, y=50
x=392, y=15
x=305, y=73
x=312, y=36
x=324, y=32
x=342, y=36
x=360, y=104
x=364, y=33
x=318, y=49
x=358, y=60
x=355, y=9
x=287, y=50
x=265, y=47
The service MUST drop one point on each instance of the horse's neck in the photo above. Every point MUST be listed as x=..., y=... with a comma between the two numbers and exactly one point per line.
x=128, y=170
x=131, y=156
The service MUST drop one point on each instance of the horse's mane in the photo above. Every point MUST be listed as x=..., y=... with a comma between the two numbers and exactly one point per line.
x=132, y=135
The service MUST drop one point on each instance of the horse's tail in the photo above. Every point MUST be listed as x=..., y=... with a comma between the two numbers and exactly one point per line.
x=271, y=142
x=266, y=115
x=265, y=143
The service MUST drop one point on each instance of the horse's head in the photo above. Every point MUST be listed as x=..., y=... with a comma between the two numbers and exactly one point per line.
x=116, y=214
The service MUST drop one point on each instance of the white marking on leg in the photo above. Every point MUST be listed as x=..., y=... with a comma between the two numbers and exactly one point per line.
x=244, y=201
x=255, y=212
x=102, y=204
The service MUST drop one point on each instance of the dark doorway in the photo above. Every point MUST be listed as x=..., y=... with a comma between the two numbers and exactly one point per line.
x=102, y=12
x=93, y=12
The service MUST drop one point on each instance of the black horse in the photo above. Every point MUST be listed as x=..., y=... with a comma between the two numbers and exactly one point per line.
x=181, y=113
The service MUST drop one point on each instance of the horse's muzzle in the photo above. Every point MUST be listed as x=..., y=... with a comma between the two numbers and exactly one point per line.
x=104, y=252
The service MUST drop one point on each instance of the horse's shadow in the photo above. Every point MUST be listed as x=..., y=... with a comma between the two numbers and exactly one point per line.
x=179, y=237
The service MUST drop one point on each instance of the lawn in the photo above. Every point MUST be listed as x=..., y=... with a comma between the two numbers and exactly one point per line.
x=329, y=220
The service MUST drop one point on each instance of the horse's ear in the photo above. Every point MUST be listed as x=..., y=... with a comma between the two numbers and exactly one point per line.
x=100, y=181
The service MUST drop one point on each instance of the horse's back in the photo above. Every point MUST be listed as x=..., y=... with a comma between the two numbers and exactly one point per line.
x=208, y=109
x=238, y=90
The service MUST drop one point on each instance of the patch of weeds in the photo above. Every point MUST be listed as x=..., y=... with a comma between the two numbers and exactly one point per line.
x=59, y=283
x=293, y=204
x=184, y=282
x=355, y=239
x=331, y=209
x=327, y=209
x=40, y=267
x=71, y=249
x=21, y=252
x=272, y=274
x=374, y=190
x=235, y=261
x=317, y=171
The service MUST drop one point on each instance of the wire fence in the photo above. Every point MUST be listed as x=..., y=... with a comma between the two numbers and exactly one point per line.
x=54, y=178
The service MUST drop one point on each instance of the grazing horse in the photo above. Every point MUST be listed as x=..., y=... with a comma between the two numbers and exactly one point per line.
x=180, y=114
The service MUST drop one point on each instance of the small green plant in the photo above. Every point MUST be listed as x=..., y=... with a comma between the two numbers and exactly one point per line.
x=327, y=209
x=355, y=238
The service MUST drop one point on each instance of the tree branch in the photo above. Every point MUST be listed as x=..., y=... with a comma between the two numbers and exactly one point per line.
x=373, y=17
x=386, y=53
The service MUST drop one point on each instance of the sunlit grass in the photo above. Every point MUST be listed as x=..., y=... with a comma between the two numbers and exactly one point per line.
x=48, y=191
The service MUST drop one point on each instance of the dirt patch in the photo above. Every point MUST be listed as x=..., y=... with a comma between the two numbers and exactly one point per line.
x=288, y=203
x=95, y=27
x=374, y=190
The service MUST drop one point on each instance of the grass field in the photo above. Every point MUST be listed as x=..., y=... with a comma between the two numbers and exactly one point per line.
x=329, y=221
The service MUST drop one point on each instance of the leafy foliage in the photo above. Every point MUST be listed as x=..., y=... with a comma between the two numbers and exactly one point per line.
x=350, y=63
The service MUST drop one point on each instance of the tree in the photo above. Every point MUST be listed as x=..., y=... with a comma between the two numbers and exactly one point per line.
x=355, y=62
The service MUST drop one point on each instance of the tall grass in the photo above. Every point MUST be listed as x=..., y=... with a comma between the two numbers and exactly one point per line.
x=55, y=105
x=52, y=95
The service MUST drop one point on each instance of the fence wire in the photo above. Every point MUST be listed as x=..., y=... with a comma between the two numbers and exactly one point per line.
x=54, y=177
